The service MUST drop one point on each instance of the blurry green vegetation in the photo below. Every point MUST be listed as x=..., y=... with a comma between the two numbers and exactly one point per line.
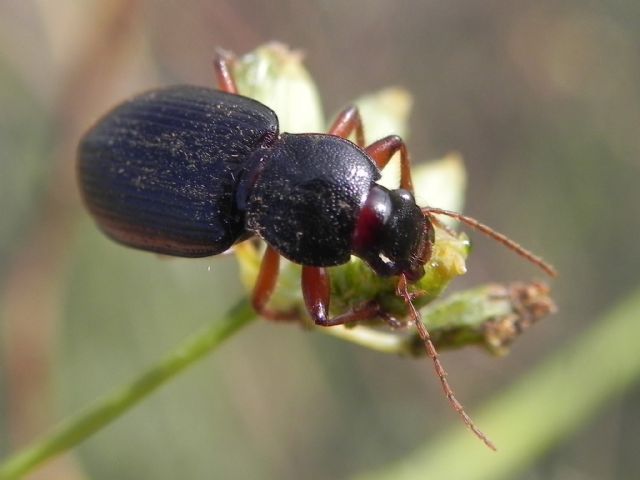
x=4, y=426
x=24, y=139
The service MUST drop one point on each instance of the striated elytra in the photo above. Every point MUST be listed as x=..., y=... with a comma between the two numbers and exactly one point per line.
x=159, y=172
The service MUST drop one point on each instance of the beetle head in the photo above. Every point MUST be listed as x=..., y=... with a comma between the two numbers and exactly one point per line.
x=393, y=235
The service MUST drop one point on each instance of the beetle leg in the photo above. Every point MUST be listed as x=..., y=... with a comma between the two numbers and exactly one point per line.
x=383, y=150
x=222, y=71
x=347, y=122
x=265, y=284
x=316, y=289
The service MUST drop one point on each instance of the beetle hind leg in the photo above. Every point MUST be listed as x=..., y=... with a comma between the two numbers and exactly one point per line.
x=222, y=69
x=382, y=151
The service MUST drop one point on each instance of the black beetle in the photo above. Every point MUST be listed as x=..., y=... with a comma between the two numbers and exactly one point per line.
x=189, y=171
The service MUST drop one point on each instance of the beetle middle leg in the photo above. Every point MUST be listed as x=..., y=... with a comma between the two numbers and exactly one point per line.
x=222, y=71
x=316, y=289
x=381, y=151
x=348, y=122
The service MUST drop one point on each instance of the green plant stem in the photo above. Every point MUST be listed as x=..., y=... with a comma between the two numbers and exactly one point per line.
x=82, y=425
x=539, y=411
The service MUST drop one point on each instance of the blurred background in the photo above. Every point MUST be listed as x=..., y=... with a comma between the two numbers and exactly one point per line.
x=540, y=97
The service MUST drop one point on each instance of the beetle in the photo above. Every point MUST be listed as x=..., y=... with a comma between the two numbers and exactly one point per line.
x=190, y=171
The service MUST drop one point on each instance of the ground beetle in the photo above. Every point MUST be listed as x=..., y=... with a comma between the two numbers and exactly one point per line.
x=189, y=171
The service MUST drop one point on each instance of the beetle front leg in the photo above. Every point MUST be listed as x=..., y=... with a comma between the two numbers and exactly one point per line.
x=381, y=152
x=264, y=286
x=347, y=122
x=316, y=289
x=222, y=71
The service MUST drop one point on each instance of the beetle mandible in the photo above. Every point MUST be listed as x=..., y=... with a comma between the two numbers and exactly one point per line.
x=190, y=171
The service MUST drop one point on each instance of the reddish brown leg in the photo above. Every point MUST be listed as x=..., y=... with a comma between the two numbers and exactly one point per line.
x=316, y=289
x=222, y=71
x=265, y=284
x=381, y=152
x=347, y=122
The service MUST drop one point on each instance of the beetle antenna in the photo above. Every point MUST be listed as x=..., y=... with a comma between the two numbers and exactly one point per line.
x=490, y=232
x=402, y=291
